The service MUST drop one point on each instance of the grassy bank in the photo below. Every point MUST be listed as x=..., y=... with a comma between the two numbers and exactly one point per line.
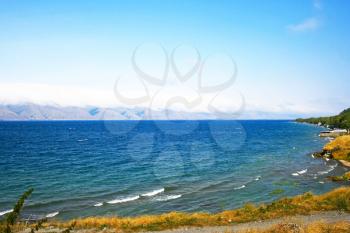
x=338, y=199
x=339, y=148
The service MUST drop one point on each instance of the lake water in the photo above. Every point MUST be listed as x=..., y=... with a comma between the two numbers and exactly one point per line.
x=128, y=168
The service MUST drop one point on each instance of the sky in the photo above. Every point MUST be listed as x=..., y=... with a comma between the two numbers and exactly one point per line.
x=282, y=57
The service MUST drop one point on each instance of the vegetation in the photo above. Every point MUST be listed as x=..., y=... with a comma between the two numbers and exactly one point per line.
x=12, y=217
x=341, y=121
x=338, y=199
x=10, y=223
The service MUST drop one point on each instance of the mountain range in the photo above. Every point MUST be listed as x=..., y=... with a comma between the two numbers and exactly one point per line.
x=31, y=111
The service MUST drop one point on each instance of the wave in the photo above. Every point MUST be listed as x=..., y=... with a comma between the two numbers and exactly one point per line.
x=299, y=172
x=257, y=178
x=328, y=170
x=168, y=197
x=302, y=171
x=98, y=204
x=51, y=215
x=153, y=193
x=5, y=212
x=240, y=187
x=82, y=140
x=128, y=199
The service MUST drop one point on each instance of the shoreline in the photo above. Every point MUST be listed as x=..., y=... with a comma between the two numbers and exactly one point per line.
x=230, y=218
x=304, y=206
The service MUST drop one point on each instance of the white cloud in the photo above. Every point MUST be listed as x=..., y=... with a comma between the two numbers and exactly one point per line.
x=307, y=25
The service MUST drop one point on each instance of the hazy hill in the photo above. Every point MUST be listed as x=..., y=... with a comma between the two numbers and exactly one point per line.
x=53, y=112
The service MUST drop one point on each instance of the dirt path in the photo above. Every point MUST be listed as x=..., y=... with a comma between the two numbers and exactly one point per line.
x=328, y=217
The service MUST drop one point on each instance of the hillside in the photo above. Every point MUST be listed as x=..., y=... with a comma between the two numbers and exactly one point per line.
x=341, y=121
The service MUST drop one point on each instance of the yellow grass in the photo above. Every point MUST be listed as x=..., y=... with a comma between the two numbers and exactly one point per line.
x=339, y=147
x=338, y=199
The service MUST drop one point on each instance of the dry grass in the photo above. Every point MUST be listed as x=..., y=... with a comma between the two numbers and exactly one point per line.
x=338, y=199
x=339, y=147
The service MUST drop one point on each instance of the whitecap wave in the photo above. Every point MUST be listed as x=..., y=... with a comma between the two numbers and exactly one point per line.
x=51, y=215
x=5, y=212
x=168, y=197
x=299, y=172
x=302, y=172
x=153, y=193
x=82, y=140
x=257, y=178
x=98, y=204
x=128, y=199
x=240, y=187
x=331, y=168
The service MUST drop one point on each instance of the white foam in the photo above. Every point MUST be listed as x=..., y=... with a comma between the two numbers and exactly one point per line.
x=327, y=159
x=321, y=182
x=257, y=178
x=168, y=197
x=328, y=171
x=51, y=215
x=5, y=212
x=240, y=187
x=299, y=172
x=128, y=199
x=82, y=140
x=98, y=204
x=313, y=156
x=302, y=171
x=153, y=193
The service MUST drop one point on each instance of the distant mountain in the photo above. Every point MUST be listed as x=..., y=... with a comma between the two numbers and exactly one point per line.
x=339, y=121
x=52, y=112
x=30, y=111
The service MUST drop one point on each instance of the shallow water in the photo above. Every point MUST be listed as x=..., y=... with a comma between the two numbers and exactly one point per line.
x=149, y=167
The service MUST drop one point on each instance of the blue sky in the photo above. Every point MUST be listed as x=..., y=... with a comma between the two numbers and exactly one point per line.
x=291, y=56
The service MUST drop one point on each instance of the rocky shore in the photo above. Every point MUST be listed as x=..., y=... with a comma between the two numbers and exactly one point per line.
x=338, y=149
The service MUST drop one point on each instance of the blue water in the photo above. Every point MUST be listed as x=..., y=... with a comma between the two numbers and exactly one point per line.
x=129, y=168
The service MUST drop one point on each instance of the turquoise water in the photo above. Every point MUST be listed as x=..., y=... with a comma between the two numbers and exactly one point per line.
x=131, y=168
